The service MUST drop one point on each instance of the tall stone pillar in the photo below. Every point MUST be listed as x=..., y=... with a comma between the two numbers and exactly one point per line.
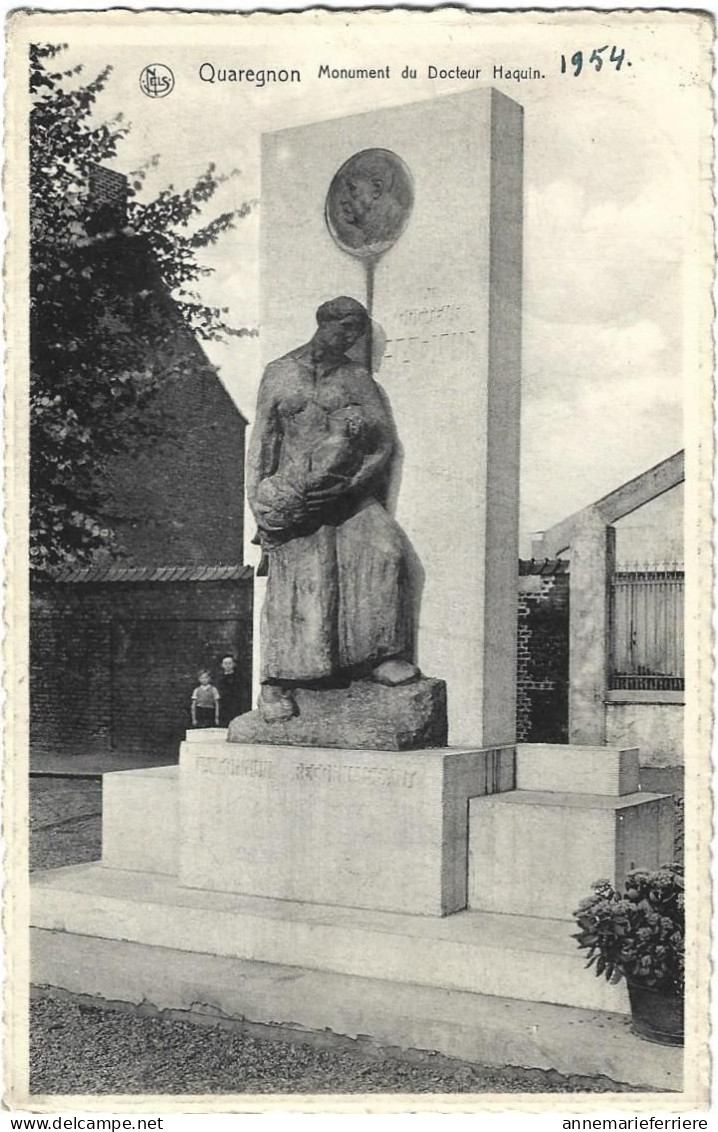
x=592, y=566
x=447, y=311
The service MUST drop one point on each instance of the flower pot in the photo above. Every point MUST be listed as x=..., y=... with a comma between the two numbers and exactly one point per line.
x=657, y=1014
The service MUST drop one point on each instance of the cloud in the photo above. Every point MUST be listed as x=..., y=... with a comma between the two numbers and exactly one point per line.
x=602, y=263
x=603, y=331
x=578, y=446
x=562, y=359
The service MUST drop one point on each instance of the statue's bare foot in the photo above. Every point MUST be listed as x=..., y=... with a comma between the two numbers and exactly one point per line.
x=276, y=704
x=393, y=672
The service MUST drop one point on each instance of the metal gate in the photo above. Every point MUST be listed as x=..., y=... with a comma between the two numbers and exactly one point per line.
x=646, y=647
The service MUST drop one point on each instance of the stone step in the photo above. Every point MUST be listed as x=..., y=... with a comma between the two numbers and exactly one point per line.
x=477, y=1028
x=569, y=768
x=140, y=819
x=505, y=956
x=537, y=853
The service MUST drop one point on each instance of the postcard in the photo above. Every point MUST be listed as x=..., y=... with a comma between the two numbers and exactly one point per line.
x=358, y=464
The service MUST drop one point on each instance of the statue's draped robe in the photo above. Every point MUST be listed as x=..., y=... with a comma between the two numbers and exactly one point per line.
x=337, y=591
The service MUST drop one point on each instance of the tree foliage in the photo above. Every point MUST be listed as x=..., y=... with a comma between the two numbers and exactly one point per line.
x=104, y=331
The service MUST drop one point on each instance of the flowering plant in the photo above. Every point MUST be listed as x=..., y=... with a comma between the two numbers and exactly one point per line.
x=639, y=934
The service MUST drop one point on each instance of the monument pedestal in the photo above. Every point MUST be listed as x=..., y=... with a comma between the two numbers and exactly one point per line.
x=363, y=829
x=374, y=845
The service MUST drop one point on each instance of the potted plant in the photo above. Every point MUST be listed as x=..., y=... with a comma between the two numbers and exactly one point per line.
x=639, y=935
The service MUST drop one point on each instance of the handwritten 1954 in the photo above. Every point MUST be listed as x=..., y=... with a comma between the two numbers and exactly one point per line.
x=596, y=59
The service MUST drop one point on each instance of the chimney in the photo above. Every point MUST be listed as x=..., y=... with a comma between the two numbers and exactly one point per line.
x=108, y=198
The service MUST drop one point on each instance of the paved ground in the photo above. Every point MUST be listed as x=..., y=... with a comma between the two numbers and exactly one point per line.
x=89, y=764
x=65, y=821
x=77, y=1048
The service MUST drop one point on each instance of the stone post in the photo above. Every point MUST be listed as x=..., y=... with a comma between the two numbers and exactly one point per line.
x=592, y=566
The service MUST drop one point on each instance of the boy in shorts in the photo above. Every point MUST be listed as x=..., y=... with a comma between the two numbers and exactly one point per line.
x=205, y=702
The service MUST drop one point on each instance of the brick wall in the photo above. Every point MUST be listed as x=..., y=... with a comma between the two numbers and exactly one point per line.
x=542, y=661
x=113, y=664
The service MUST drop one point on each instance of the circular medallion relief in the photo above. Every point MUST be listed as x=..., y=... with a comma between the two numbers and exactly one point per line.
x=369, y=202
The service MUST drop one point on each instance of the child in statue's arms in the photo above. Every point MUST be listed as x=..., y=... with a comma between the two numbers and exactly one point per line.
x=281, y=498
x=205, y=702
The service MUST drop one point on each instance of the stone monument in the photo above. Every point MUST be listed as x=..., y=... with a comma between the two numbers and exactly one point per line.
x=337, y=864
x=387, y=513
x=416, y=212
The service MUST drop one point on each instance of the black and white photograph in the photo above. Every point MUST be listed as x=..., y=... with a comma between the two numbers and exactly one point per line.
x=358, y=496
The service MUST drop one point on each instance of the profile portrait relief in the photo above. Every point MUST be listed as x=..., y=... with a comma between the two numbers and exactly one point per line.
x=369, y=202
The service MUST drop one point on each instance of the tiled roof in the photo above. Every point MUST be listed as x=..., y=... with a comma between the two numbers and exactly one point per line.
x=114, y=573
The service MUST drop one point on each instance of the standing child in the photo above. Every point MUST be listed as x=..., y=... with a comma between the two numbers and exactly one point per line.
x=205, y=702
x=230, y=691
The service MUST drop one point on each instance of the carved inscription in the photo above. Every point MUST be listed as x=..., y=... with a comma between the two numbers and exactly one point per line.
x=421, y=316
x=236, y=768
x=365, y=775
x=442, y=348
x=326, y=773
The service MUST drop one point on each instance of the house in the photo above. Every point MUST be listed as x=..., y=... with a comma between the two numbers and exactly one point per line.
x=115, y=647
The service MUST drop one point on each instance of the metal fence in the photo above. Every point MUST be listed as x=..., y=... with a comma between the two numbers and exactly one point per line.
x=646, y=647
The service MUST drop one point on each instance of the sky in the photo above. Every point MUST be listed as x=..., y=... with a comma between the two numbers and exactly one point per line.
x=612, y=203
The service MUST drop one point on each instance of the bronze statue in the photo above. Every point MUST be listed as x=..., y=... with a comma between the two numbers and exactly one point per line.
x=337, y=601
x=369, y=202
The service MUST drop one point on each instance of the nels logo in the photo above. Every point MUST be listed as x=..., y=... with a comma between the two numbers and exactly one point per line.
x=156, y=80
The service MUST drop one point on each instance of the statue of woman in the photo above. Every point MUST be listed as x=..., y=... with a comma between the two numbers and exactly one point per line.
x=338, y=601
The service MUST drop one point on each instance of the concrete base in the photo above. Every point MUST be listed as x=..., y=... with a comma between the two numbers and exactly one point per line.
x=508, y=956
x=361, y=826
x=537, y=854
x=399, y=1010
x=363, y=829
x=475, y=1028
x=572, y=769
x=140, y=817
x=245, y=828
